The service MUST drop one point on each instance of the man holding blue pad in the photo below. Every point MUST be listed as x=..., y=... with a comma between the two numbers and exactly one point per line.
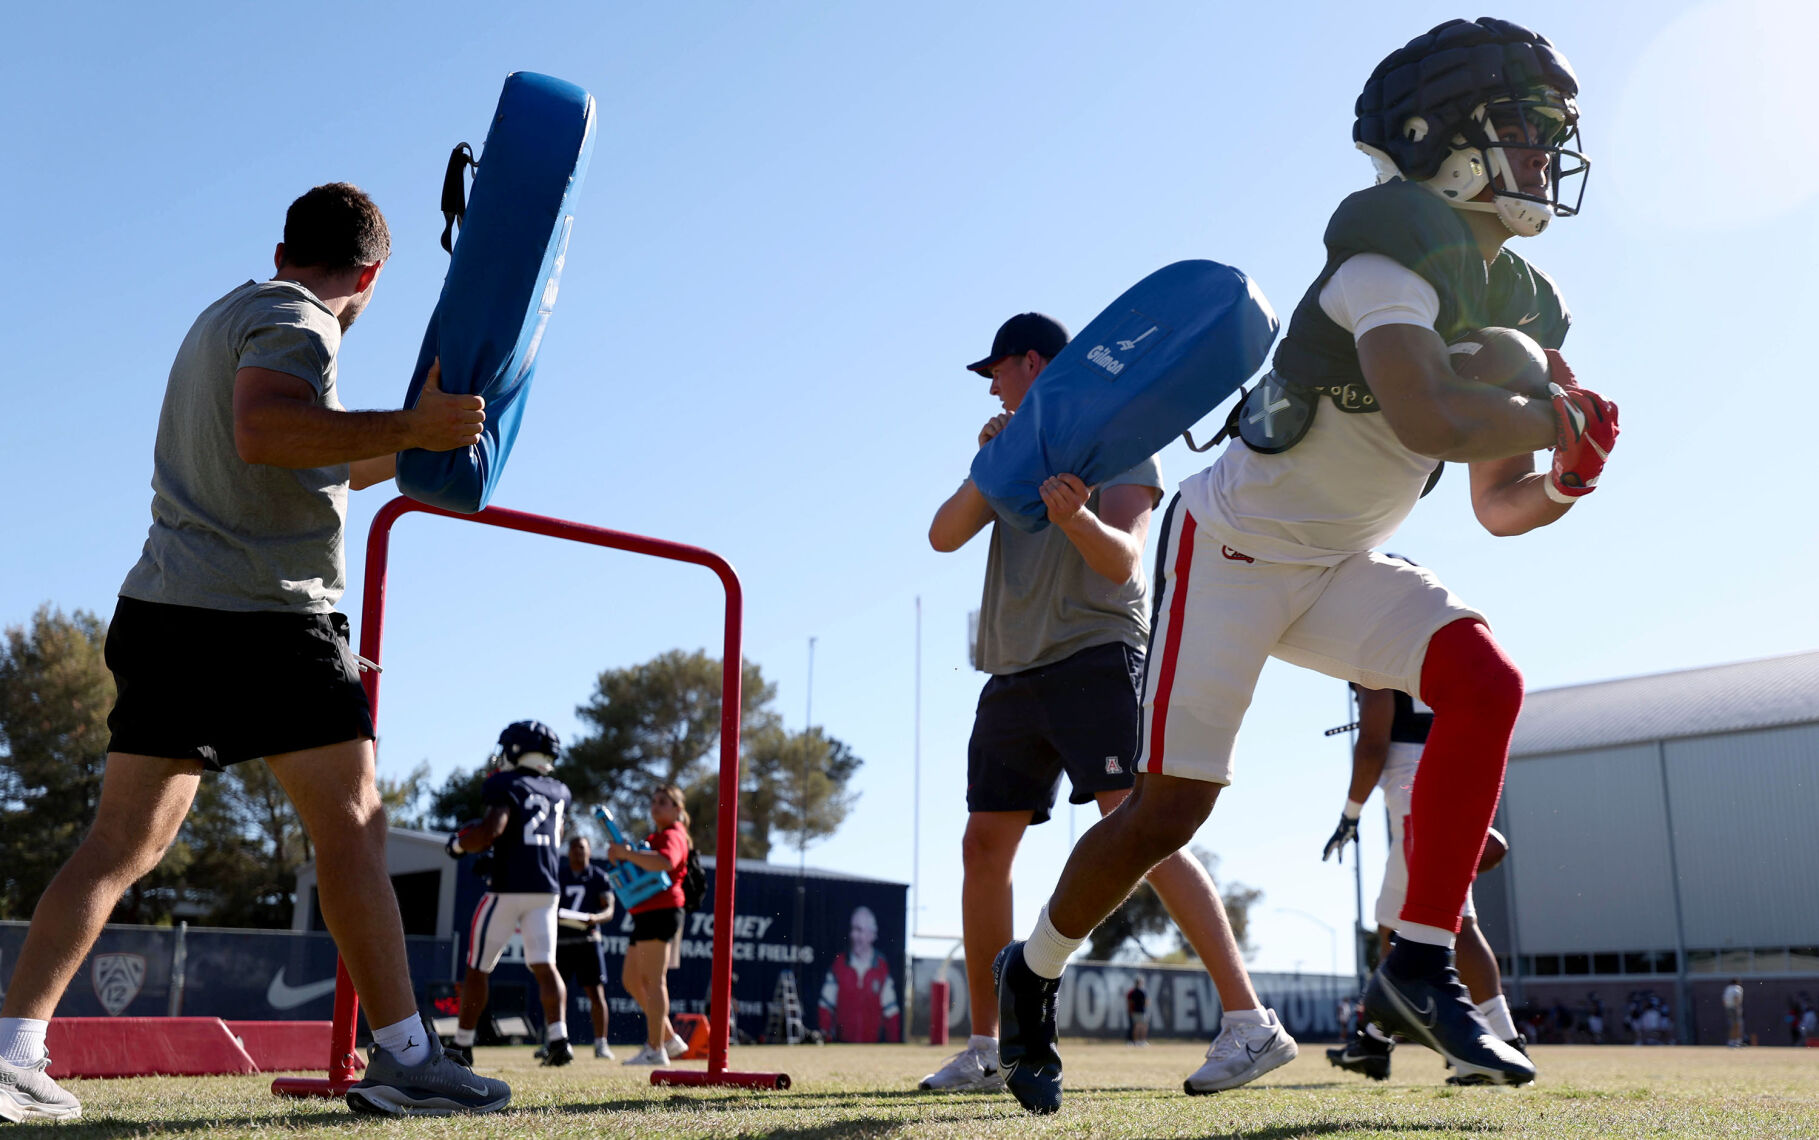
x=1062, y=631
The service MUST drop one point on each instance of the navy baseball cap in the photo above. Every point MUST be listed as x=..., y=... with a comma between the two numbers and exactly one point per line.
x=1020, y=334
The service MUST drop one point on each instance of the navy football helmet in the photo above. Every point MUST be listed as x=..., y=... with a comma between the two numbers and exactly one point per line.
x=1433, y=113
x=527, y=744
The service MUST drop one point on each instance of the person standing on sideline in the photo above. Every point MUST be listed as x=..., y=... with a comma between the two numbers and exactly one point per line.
x=525, y=808
x=655, y=924
x=587, y=901
x=1137, y=1006
x=1062, y=631
x=1392, y=730
x=226, y=648
x=1733, y=1013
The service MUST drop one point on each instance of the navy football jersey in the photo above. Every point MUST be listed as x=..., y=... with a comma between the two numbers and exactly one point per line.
x=526, y=857
x=581, y=890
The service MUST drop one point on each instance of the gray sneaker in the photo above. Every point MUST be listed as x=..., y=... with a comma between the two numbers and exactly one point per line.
x=26, y=1093
x=440, y=1086
x=970, y=1070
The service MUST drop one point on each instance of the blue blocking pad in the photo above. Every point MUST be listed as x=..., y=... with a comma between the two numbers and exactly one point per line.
x=1149, y=367
x=502, y=280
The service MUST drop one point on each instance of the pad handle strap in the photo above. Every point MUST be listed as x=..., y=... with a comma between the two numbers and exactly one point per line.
x=454, y=193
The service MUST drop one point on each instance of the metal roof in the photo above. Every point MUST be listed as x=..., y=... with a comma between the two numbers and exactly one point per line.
x=1739, y=697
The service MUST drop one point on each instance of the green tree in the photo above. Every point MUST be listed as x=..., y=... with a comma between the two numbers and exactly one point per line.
x=659, y=722
x=1142, y=916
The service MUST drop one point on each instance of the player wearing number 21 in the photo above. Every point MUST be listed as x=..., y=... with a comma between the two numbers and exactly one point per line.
x=525, y=806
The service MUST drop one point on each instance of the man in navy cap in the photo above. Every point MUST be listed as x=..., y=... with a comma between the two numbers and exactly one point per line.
x=1062, y=630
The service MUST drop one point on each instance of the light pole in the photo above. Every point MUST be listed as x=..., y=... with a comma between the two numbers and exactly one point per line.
x=1331, y=934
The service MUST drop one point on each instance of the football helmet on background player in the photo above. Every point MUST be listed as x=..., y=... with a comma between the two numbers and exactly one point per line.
x=527, y=744
x=1431, y=113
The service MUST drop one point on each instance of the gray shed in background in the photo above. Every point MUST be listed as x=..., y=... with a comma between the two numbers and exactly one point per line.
x=1664, y=836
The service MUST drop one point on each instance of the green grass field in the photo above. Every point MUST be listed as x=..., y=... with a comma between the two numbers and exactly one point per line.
x=1113, y=1090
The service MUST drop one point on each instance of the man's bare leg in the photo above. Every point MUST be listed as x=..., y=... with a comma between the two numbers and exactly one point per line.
x=596, y=1000
x=1193, y=901
x=551, y=992
x=1158, y=819
x=987, y=851
x=337, y=799
x=476, y=985
x=144, y=800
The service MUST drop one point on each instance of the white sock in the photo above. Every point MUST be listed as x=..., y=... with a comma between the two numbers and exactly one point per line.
x=464, y=1038
x=22, y=1040
x=1431, y=935
x=980, y=1043
x=406, y=1040
x=1371, y=1030
x=1246, y=1016
x=558, y=1031
x=1047, y=951
x=1497, y=1014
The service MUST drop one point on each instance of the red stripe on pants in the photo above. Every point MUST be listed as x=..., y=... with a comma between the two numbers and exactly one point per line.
x=1171, y=645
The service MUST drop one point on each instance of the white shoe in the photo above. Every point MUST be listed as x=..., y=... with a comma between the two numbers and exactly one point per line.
x=26, y=1093
x=1241, y=1054
x=970, y=1070
x=603, y=1051
x=675, y=1046
x=649, y=1055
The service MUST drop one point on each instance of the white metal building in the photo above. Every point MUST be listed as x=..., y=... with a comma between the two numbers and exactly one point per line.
x=1664, y=835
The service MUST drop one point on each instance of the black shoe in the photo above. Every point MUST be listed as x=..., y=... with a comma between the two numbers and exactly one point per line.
x=1519, y=1043
x=1364, y=1055
x=460, y=1054
x=1026, y=1032
x=1416, y=993
x=557, y=1053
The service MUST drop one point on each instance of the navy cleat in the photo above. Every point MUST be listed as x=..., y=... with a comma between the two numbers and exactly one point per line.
x=440, y=1086
x=1026, y=1032
x=557, y=1053
x=1519, y=1043
x=1365, y=1055
x=1417, y=993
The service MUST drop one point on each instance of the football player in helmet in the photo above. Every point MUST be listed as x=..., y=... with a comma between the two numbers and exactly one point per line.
x=525, y=806
x=1271, y=551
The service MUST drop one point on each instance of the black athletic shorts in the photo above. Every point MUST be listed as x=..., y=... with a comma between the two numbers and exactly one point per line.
x=222, y=687
x=1081, y=715
x=582, y=960
x=656, y=925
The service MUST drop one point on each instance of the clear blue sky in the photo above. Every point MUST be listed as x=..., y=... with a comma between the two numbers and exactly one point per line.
x=801, y=220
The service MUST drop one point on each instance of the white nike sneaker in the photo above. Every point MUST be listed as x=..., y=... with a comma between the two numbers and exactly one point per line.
x=970, y=1070
x=649, y=1055
x=675, y=1046
x=26, y=1093
x=1241, y=1054
x=603, y=1051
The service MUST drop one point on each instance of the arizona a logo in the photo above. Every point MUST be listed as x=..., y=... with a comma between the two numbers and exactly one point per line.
x=117, y=979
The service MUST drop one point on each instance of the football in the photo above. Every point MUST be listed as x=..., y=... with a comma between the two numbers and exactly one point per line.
x=1503, y=358
x=1495, y=848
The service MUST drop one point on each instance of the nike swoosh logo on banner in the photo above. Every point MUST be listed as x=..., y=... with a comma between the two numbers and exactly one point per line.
x=284, y=996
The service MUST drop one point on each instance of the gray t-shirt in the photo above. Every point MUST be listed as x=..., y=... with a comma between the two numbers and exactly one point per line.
x=232, y=535
x=1043, y=602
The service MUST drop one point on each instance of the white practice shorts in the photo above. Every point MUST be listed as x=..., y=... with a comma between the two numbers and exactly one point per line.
x=1398, y=784
x=498, y=917
x=1220, y=614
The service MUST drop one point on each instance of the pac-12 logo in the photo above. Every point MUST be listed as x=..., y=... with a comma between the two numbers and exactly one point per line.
x=117, y=979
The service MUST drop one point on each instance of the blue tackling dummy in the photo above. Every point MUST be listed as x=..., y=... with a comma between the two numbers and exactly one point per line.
x=1149, y=367
x=502, y=278
x=632, y=883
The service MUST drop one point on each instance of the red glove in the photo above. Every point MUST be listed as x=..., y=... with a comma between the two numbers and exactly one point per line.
x=1585, y=430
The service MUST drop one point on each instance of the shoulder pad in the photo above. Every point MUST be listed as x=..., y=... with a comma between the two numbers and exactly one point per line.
x=1407, y=224
x=1523, y=296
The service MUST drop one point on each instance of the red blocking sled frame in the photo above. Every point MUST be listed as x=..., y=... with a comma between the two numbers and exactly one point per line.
x=342, y=1061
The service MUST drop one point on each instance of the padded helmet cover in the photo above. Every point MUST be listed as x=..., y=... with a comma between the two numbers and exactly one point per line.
x=1442, y=77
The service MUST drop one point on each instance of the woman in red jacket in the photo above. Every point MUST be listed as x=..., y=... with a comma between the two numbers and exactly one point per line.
x=655, y=924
